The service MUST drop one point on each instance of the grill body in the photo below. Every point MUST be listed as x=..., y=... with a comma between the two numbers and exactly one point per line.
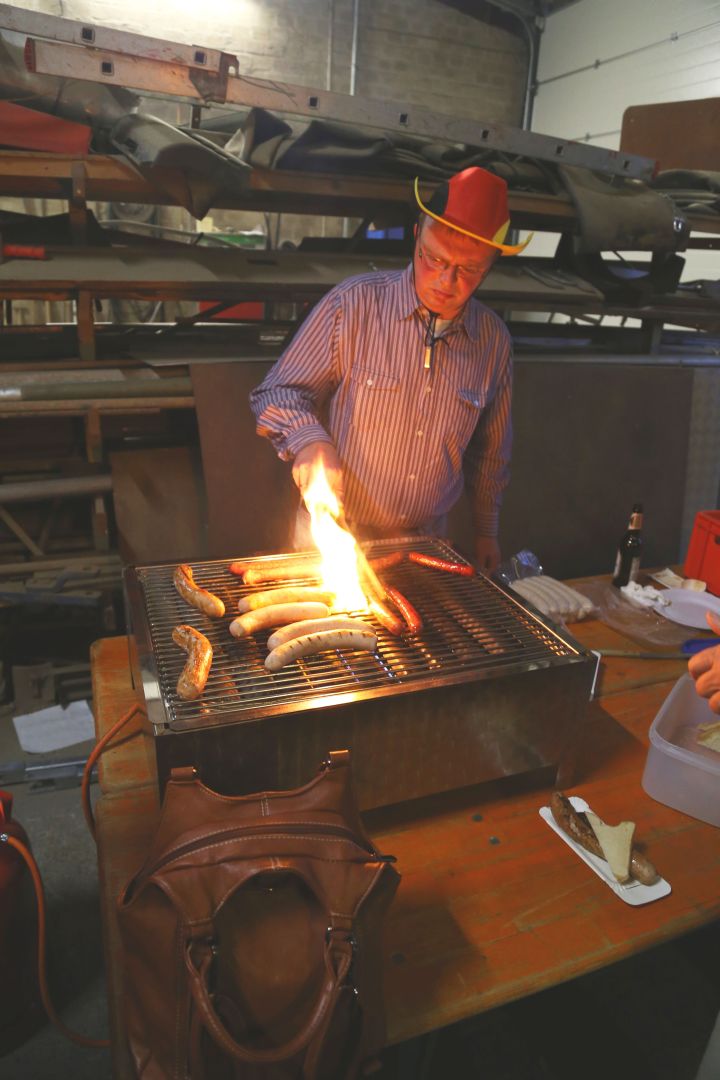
x=488, y=689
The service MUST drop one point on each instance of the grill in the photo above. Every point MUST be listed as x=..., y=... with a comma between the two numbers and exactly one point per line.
x=253, y=729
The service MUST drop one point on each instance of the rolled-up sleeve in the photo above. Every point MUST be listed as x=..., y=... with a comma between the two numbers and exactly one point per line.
x=487, y=458
x=288, y=403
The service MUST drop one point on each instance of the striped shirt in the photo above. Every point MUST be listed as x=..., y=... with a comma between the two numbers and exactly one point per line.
x=408, y=437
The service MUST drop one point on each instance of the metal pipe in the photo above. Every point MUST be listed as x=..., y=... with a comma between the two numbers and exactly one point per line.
x=533, y=27
x=78, y=563
x=354, y=48
x=30, y=490
x=331, y=44
x=80, y=390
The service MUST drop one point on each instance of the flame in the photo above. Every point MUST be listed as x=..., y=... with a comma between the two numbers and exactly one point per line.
x=337, y=547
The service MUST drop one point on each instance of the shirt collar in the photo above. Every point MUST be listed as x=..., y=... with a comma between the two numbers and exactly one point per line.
x=408, y=303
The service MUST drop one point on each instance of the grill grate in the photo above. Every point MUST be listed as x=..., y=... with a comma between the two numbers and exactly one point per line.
x=472, y=630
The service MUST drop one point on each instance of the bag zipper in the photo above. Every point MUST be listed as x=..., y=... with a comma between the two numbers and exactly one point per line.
x=247, y=831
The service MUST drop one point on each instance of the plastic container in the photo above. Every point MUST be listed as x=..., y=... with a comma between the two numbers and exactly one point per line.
x=703, y=556
x=679, y=771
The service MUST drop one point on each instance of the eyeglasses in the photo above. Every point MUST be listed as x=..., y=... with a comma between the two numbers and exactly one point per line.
x=439, y=266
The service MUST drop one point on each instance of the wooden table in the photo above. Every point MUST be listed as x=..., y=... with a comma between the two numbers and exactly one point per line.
x=492, y=905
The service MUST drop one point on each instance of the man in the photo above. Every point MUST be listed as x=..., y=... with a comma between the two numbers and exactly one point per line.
x=400, y=383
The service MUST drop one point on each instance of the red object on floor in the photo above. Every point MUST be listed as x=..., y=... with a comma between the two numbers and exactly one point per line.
x=18, y=997
x=28, y=129
x=703, y=557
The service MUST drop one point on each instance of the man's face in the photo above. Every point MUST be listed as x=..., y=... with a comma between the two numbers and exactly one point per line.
x=448, y=267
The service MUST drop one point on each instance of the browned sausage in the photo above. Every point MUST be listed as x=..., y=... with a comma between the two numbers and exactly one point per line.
x=463, y=569
x=194, y=675
x=258, y=573
x=384, y=562
x=579, y=829
x=193, y=594
x=408, y=612
x=386, y=617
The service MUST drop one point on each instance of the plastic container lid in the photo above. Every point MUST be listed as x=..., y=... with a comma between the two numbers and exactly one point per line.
x=679, y=771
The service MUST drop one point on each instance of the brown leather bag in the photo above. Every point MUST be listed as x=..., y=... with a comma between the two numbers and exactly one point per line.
x=252, y=935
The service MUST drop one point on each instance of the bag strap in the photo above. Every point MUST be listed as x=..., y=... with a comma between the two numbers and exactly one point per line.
x=336, y=949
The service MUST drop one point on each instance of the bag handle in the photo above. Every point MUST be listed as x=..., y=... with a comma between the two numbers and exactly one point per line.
x=327, y=998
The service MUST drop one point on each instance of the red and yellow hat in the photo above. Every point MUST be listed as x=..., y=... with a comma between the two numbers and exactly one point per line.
x=474, y=202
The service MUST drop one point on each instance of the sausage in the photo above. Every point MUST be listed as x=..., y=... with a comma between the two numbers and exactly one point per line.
x=291, y=594
x=408, y=612
x=194, y=675
x=463, y=569
x=262, y=575
x=384, y=562
x=276, y=615
x=313, y=626
x=386, y=617
x=193, y=594
x=349, y=640
x=579, y=829
x=369, y=581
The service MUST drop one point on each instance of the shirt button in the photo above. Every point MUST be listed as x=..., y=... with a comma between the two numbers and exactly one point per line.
x=412, y=477
x=369, y=382
x=419, y=434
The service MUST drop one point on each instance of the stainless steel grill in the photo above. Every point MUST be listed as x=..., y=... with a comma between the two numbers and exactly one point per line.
x=488, y=689
x=472, y=630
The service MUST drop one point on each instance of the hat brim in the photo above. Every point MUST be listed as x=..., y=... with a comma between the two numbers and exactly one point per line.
x=504, y=249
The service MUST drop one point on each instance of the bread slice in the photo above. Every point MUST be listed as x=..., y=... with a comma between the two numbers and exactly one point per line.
x=709, y=735
x=616, y=843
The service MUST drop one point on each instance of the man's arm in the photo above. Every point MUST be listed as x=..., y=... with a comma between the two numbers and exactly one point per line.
x=487, y=466
x=288, y=402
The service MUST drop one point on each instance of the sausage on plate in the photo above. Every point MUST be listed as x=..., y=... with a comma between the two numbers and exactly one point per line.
x=580, y=830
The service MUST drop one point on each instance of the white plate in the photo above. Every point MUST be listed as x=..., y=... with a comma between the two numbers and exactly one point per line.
x=633, y=893
x=688, y=608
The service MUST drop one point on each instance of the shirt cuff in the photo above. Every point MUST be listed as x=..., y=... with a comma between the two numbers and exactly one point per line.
x=487, y=523
x=301, y=438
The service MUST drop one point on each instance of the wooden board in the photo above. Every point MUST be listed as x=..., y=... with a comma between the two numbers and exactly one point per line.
x=679, y=134
x=492, y=905
x=159, y=505
x=251, y=499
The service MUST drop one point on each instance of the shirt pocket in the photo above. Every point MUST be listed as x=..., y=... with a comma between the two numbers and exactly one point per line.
x=374, y=396
x=470, y=405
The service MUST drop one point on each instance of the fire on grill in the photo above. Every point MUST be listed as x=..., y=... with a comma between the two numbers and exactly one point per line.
x=330, y=614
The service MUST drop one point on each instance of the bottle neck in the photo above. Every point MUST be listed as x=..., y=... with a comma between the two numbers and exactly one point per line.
x=636, y=521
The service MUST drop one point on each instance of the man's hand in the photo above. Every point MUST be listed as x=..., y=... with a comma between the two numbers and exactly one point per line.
x=487, y=553
x=705, y=668
x=307, y=461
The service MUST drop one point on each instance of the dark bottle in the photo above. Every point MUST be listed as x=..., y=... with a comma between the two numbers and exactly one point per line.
x=627, y=561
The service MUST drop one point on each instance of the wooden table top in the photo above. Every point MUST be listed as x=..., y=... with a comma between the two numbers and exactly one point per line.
x=492, y=906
